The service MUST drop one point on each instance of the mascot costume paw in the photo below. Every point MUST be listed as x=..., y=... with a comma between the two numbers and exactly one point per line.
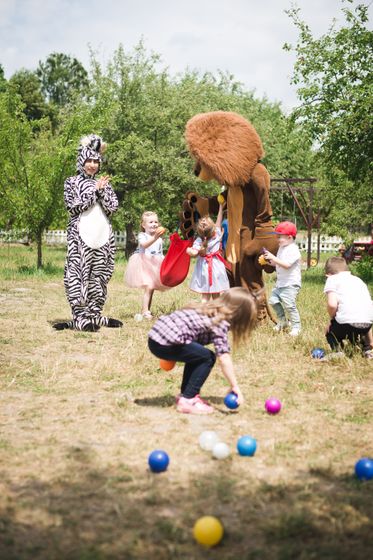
x=227, y=149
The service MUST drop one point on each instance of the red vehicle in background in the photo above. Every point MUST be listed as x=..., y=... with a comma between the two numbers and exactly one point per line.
x=357, y=250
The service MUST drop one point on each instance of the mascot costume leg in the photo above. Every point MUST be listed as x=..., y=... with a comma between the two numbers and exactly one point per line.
x=227, y=149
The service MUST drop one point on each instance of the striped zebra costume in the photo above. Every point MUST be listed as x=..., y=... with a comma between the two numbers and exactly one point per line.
x=90, y=244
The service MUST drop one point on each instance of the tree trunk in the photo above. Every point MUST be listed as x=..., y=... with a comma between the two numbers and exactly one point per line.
x=39, y=237
x=131, y=242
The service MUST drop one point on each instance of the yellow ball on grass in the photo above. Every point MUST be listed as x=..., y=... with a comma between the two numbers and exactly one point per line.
x=208, y=531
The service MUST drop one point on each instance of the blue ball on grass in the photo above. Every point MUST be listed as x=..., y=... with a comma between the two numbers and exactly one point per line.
x=158, y=461
x=318, y=353
x=364, y=468
x=246, y=446
x=230, y=401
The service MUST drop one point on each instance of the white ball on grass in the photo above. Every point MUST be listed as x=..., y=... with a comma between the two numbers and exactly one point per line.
x=220, y=450
x=208, y=439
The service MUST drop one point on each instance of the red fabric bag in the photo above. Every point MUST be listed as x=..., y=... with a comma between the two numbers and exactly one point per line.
x=175, y=265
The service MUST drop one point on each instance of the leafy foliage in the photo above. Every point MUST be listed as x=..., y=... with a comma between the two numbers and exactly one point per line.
x=334, y=74
x=34, y=165
x=145, y=125
x=334, y=78
x=61, y=77
x=27, y=85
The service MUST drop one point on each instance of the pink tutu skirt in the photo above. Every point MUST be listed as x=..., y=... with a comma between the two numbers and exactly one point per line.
x=143, y=271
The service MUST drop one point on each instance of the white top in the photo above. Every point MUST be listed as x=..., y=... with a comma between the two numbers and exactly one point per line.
x=289, y=276
x=155, y=248
x=94, y=227
x=354, y=302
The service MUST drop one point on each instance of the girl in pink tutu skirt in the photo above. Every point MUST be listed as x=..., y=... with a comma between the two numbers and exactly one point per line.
x=143, y=269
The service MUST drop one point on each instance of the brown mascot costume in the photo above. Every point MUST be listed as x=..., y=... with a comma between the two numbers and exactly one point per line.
x=227, y=149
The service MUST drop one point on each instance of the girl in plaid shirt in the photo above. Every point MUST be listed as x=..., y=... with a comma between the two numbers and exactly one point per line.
x=182, y=336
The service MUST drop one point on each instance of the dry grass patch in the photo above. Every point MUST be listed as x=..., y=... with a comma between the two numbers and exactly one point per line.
x=81, y=412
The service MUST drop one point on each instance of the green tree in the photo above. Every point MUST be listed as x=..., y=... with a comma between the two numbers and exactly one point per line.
x=334, y=75
x=27, y=85
x=2, y=79
x=33, y=166
x=145, y=128
x=62, y=77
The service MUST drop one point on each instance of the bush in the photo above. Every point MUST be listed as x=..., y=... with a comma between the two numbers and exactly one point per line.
x=363, y=268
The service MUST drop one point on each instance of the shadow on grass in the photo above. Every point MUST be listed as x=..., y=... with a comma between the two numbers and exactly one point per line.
x=162, y=402
x=123, y=512
x=169, y=400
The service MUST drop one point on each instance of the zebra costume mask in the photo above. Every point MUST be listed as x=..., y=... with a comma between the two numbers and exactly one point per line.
x=91, y=147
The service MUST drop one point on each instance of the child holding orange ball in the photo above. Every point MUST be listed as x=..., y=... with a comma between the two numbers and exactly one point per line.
x=143, y=269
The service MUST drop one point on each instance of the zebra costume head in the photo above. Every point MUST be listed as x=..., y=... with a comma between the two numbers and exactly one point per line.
x=91, y=147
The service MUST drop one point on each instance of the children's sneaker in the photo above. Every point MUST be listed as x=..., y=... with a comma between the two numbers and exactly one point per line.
x=294, y=332
x=368, y=354
x=193, y=406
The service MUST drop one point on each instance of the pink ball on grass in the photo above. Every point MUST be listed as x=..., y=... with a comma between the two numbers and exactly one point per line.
x=272, y=405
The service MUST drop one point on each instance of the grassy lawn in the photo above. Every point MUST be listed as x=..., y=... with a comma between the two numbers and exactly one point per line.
x=80, y=413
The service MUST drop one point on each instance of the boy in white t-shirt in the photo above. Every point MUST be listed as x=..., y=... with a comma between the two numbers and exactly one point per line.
x=288, y=270
x=350, y=308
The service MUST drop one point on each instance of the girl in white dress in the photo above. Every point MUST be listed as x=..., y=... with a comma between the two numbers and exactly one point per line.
x=209, y=276
x=143, y=269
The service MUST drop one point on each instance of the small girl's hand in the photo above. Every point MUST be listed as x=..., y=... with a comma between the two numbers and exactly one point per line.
x=191, y=252
x=240, y=398
x=160, y=231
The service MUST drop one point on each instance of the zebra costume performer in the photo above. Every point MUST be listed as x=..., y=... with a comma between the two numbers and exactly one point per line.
x=90, y=240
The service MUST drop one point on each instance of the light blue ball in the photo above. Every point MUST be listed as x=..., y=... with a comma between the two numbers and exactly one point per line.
x=318, y=353
x=246, y=446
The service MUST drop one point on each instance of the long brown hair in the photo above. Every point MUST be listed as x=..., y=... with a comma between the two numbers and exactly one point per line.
x=238, y=306
x=205, y=230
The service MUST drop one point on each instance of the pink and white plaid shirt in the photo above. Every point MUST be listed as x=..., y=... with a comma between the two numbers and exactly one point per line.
x=188, y=325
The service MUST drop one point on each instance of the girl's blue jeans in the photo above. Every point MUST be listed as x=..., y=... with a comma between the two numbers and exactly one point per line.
x=198, y=360
x=283, y=300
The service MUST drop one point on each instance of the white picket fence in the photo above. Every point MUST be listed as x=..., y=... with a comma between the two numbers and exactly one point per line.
x=55, y=237
x=328, y=244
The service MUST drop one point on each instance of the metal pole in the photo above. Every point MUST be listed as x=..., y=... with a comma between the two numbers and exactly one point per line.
x=309, y=227
x=318, y=235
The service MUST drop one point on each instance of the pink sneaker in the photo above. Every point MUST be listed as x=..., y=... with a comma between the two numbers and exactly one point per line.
x=201, y=400
x=194, y=406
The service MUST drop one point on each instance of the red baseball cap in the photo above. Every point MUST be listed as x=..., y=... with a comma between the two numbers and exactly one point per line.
x=286, y=228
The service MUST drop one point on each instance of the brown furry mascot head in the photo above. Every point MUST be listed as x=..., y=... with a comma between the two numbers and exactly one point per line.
x=225, y=145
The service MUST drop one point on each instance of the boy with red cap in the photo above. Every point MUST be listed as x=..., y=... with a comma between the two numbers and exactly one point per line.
x=288, y=270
